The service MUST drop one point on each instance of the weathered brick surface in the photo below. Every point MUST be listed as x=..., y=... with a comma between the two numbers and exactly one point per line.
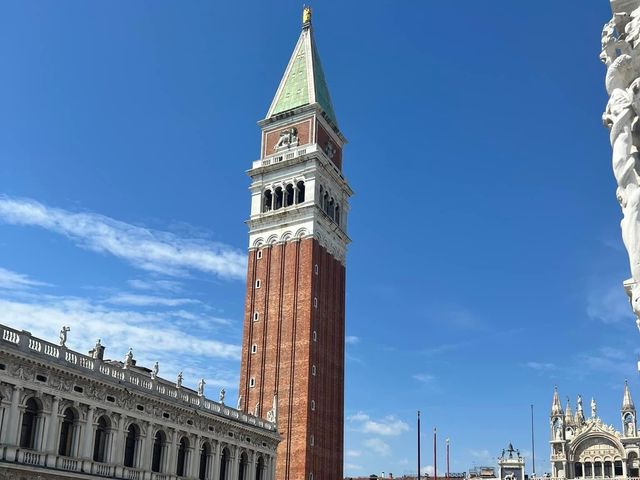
x=287, y=353
x=323, y=138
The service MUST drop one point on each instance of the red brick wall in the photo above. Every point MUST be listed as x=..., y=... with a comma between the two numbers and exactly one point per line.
x=323, y=138
x=286, y=353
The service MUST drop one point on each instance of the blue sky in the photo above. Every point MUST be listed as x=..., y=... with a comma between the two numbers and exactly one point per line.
x=486, y=262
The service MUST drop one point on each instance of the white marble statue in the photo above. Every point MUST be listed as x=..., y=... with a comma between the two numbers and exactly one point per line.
x=63, y=335
x=201, y=385
x=179, y=380
x=621, y=54
x=128, y=359
x=222, y=394
x=239, y=404
x=594, y=408
x=155, y=370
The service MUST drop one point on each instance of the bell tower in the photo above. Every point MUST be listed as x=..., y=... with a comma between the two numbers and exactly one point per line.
x=294, y=326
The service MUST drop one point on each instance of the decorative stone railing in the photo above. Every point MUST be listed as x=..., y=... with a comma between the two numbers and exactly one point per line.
x=295, y=153
x=27, y=343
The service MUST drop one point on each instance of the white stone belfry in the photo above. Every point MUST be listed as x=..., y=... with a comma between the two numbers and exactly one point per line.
x=621, y=55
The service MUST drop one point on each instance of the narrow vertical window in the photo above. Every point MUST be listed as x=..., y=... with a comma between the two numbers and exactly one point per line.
x=313, y=404
x=312, y=441
x=254, y=348
x=313, y=370
x=315, y=336
x=257, y=283
x=252, y=382
x=315, y=302
x=256, y=316
x=259, y=254
x=315, y=269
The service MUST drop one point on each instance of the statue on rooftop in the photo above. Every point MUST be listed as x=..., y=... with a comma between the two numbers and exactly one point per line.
x=154, y=371
x=594, y=408
x=63, y=335
x=128, y=359
x=222, y=394
x=201, y=385
x=239, y=404
x=179, y=379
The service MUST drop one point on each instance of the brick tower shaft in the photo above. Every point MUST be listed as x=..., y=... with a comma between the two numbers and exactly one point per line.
x=294, y=328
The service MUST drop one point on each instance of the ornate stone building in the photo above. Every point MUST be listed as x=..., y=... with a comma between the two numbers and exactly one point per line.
x=68, y=415
x=584, y=447
x=511, y=464
x=294, y=328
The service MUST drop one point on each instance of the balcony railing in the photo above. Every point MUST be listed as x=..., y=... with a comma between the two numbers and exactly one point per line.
x=24, y=341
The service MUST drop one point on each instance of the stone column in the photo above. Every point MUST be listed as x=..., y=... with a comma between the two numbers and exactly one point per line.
x=251, y=467
x=235, y=461
x=170, y=457
x=215, y=473
x=11, y=438
x=87, y=437
x=193, y=459
x=144, y=449
x=53, y=433
x=117, y=451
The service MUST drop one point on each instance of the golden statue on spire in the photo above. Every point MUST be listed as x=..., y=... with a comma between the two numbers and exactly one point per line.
x=306, y=15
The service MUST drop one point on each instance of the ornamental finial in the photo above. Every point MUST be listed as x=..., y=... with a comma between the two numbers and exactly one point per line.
x=306, y=15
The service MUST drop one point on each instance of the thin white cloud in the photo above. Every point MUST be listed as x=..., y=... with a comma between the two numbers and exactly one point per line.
x=388, y=426
x=156, y=285
x=149, y=300
x=352, y=340
x=423, y=377
x=352, y=467
x=353, y=453
x=16, y=281
x=152, y=335
x=540, y=366
x=148, y=249
x=377, y=445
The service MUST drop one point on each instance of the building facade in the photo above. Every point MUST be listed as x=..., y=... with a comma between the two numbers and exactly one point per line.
x=511, y=464
x=294, y=329
x=68, y=415
x=582, y=446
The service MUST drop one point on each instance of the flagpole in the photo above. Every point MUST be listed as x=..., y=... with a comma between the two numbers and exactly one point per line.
x=533, y=445
x=435, y=454
x=447, y=442
x=418, y=444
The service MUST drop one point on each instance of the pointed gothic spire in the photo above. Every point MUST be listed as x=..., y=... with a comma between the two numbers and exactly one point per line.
x=568, y=413
x=556, y=407
x=303, y=82
x=627, y=401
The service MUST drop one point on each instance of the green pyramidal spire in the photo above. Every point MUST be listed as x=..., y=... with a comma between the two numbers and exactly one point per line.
x=303, y=82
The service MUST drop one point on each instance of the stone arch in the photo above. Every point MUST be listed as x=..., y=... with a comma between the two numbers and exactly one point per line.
x=286, y=236
x=131, y=443
x=182, y=457
x=301, y=233
x=225, y=456
x=257, y=243
x=31, y=422
x=101, y=438
x=159, y=450
x=272, y=239
x=204, y=461
x=69, y=429
x=243, y=466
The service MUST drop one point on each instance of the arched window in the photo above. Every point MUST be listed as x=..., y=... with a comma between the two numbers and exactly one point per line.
x=278, y=199
x=182, y=456
x=224, y=464
x=260, y=469
x=100, y=441
x=337, y=216
x=321, y=198
x=325, y=202
x=617, y=468
x=588, y=469
x=300, y=186
x=331, y=209
x=608, y=470
x=597, y=469
x=288, y=198
x=267, y=201
x=67, y=432
x=578, y=469
x=29, y=424
x=205, y=453
x=158, y=447
x=130, y=445
x=242, y=467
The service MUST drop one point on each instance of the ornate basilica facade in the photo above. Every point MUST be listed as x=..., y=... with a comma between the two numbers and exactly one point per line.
x=584, y=447
x=68, y=415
